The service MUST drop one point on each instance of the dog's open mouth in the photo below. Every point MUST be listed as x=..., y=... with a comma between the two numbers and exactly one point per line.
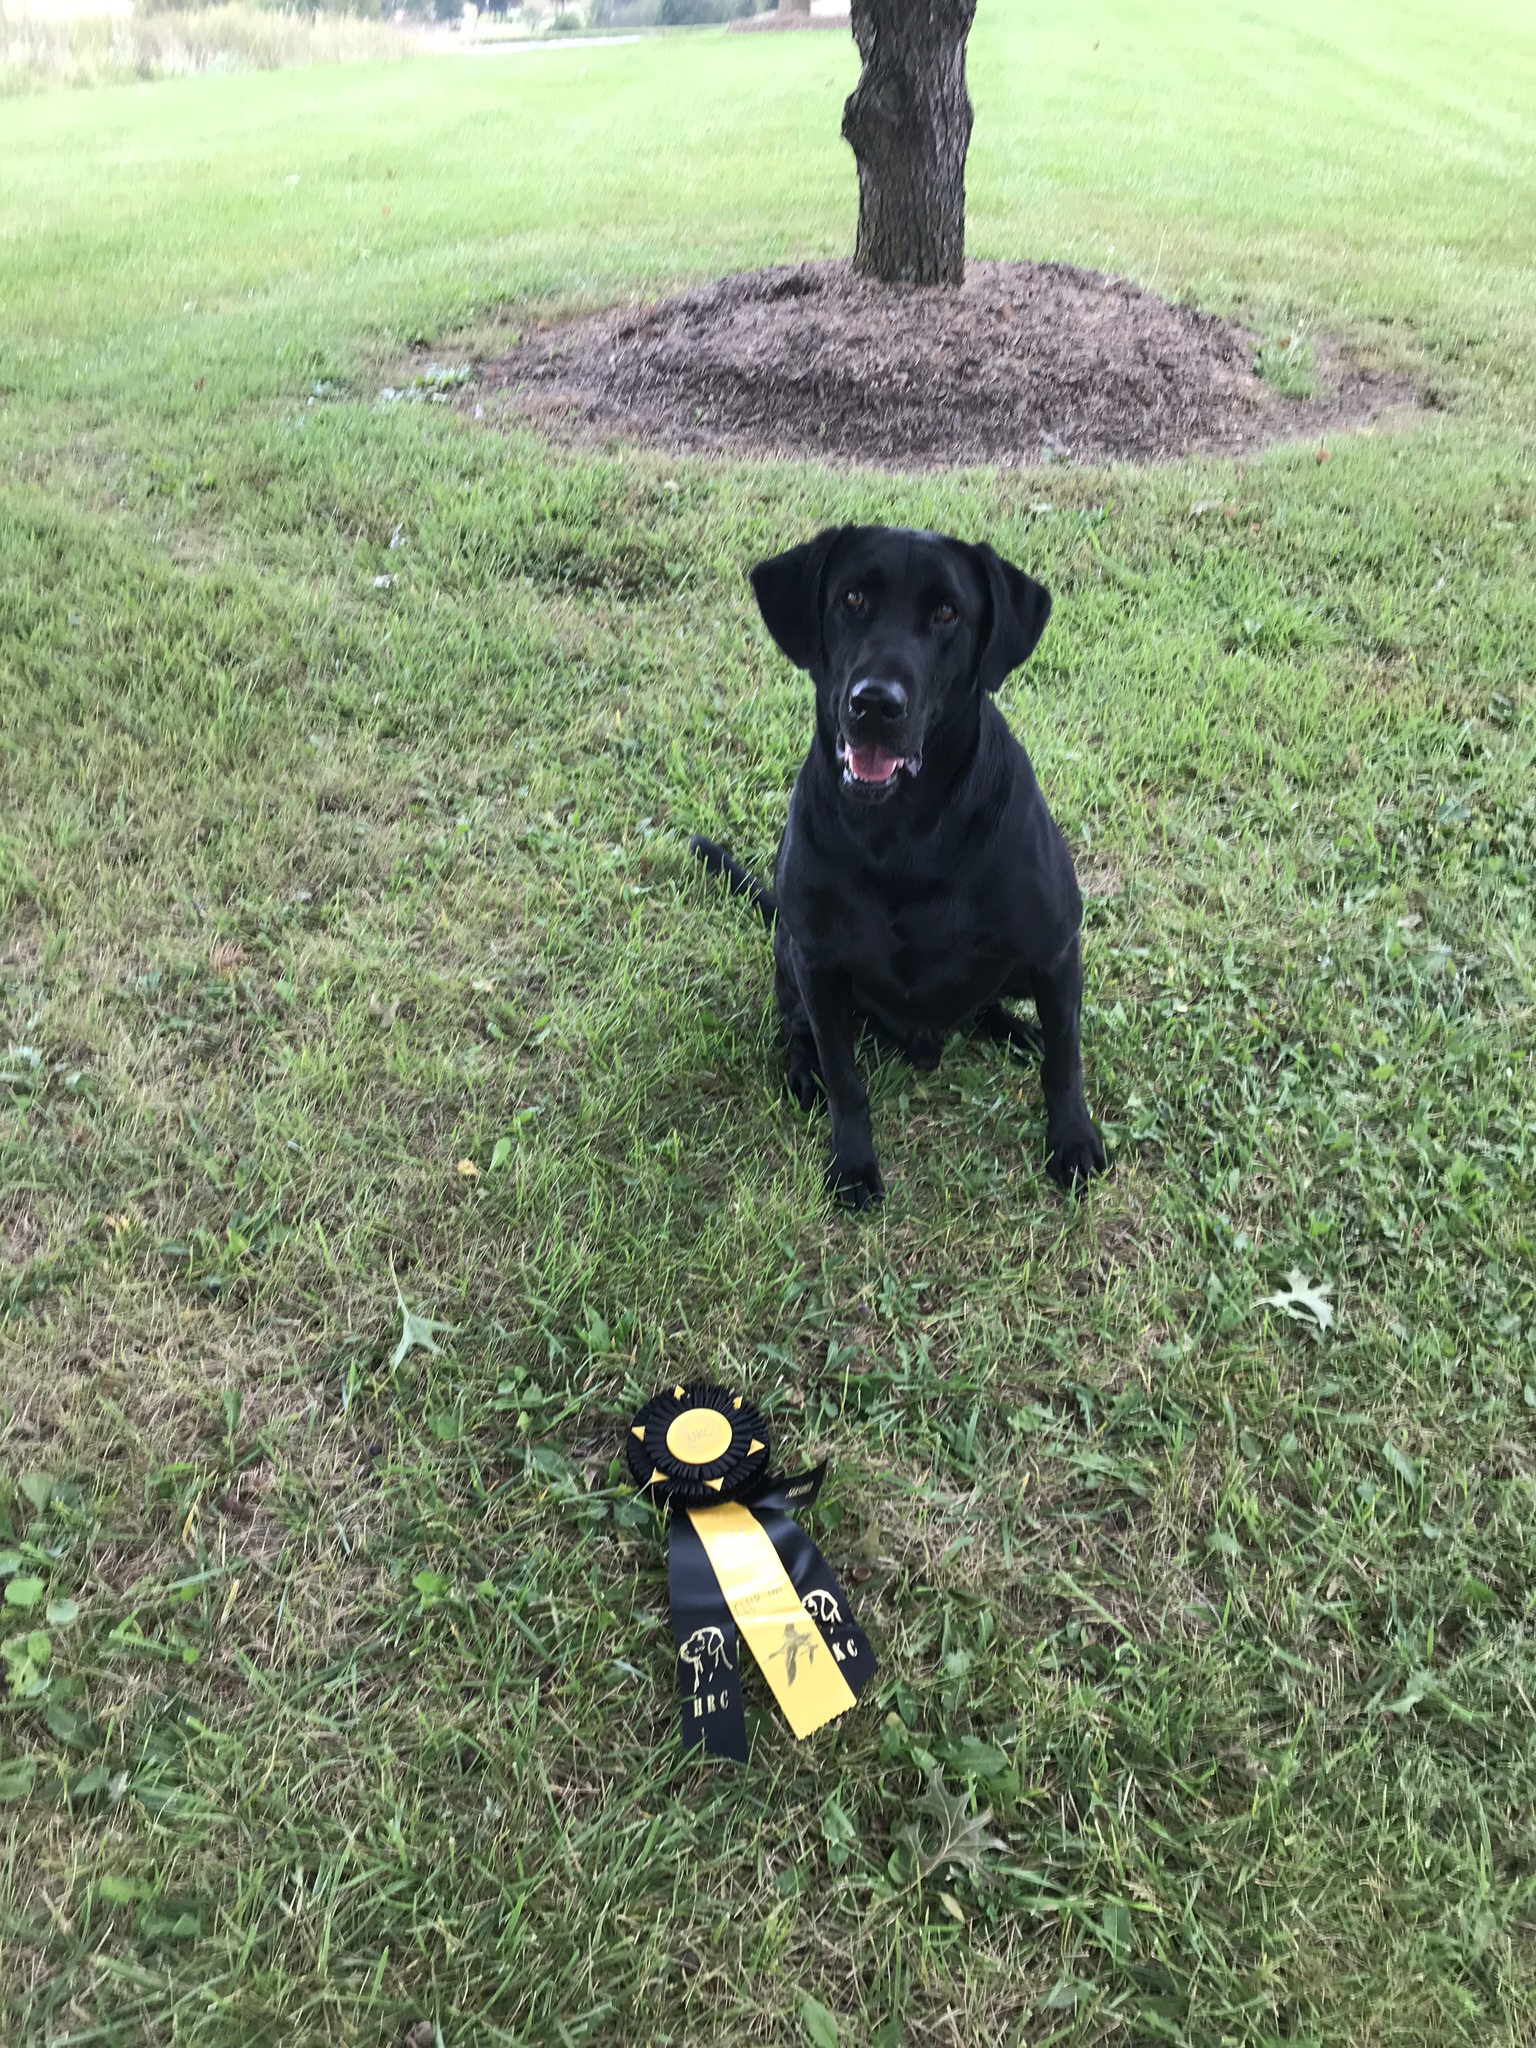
x=869, y=767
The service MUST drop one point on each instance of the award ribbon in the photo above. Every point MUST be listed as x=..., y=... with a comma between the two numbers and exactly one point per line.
x=739, y=1566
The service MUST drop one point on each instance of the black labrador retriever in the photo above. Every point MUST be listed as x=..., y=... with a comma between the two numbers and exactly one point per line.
x=920, y=879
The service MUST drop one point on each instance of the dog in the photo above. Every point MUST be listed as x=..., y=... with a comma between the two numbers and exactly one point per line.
x=921, y=882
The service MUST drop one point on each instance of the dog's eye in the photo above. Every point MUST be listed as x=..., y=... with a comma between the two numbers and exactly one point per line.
x=945, y=615
x=854, y=600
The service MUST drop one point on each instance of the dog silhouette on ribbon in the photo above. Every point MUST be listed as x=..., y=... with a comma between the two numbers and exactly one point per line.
x=704, y=1646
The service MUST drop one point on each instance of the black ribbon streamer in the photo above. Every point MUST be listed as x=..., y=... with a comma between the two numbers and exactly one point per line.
x=708, y=1648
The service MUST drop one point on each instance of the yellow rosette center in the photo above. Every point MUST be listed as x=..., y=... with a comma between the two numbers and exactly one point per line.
x=698, y=1436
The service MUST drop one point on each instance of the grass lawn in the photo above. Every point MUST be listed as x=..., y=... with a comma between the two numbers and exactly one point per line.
x=353, y=1708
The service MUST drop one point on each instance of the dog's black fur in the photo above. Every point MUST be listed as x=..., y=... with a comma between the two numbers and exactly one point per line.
x=920, y=879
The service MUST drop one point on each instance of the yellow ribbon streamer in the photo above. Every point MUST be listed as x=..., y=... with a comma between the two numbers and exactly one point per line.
x=801, y=1672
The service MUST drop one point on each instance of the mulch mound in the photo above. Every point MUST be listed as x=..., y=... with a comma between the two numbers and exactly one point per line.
x=1027, y=362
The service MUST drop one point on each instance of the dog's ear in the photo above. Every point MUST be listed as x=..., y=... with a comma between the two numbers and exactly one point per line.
x=788, y=592
x=1020, y=608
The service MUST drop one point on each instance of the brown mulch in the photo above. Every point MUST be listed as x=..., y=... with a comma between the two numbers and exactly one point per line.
x=1027, y=362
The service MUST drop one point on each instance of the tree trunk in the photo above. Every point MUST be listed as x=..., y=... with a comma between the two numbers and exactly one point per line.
x=908, y=121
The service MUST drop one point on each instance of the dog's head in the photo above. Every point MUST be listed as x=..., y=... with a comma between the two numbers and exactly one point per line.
x=900, y=631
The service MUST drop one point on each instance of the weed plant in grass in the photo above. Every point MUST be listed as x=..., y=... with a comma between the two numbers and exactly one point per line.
x=351, y=945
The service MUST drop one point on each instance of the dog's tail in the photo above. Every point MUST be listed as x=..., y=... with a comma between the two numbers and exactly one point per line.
x=721, y=862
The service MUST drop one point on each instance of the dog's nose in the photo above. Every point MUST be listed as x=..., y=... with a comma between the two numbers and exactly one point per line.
x=877, y=698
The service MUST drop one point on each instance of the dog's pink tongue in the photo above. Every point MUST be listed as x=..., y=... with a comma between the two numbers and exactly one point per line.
x=872, y=764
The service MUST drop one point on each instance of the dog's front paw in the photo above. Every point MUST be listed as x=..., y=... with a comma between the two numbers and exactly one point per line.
x=1074, y=1155
x=855, y=1183
x=802, y=1076
x=922, y=1051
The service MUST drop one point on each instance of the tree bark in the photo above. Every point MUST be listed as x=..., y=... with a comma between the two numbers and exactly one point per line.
x=908, y=122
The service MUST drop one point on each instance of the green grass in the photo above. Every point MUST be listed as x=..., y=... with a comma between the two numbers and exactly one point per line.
x=312, y=889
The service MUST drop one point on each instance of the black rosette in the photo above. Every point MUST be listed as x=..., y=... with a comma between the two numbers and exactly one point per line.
x=697, y=1445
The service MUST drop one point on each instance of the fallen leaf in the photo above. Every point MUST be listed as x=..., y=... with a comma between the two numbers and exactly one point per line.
x=1304, y=1301
x=417, y=1333
x=959, y=1838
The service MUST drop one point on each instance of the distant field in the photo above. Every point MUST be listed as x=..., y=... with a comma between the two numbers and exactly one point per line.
x=348, y=942
x=84, y=44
